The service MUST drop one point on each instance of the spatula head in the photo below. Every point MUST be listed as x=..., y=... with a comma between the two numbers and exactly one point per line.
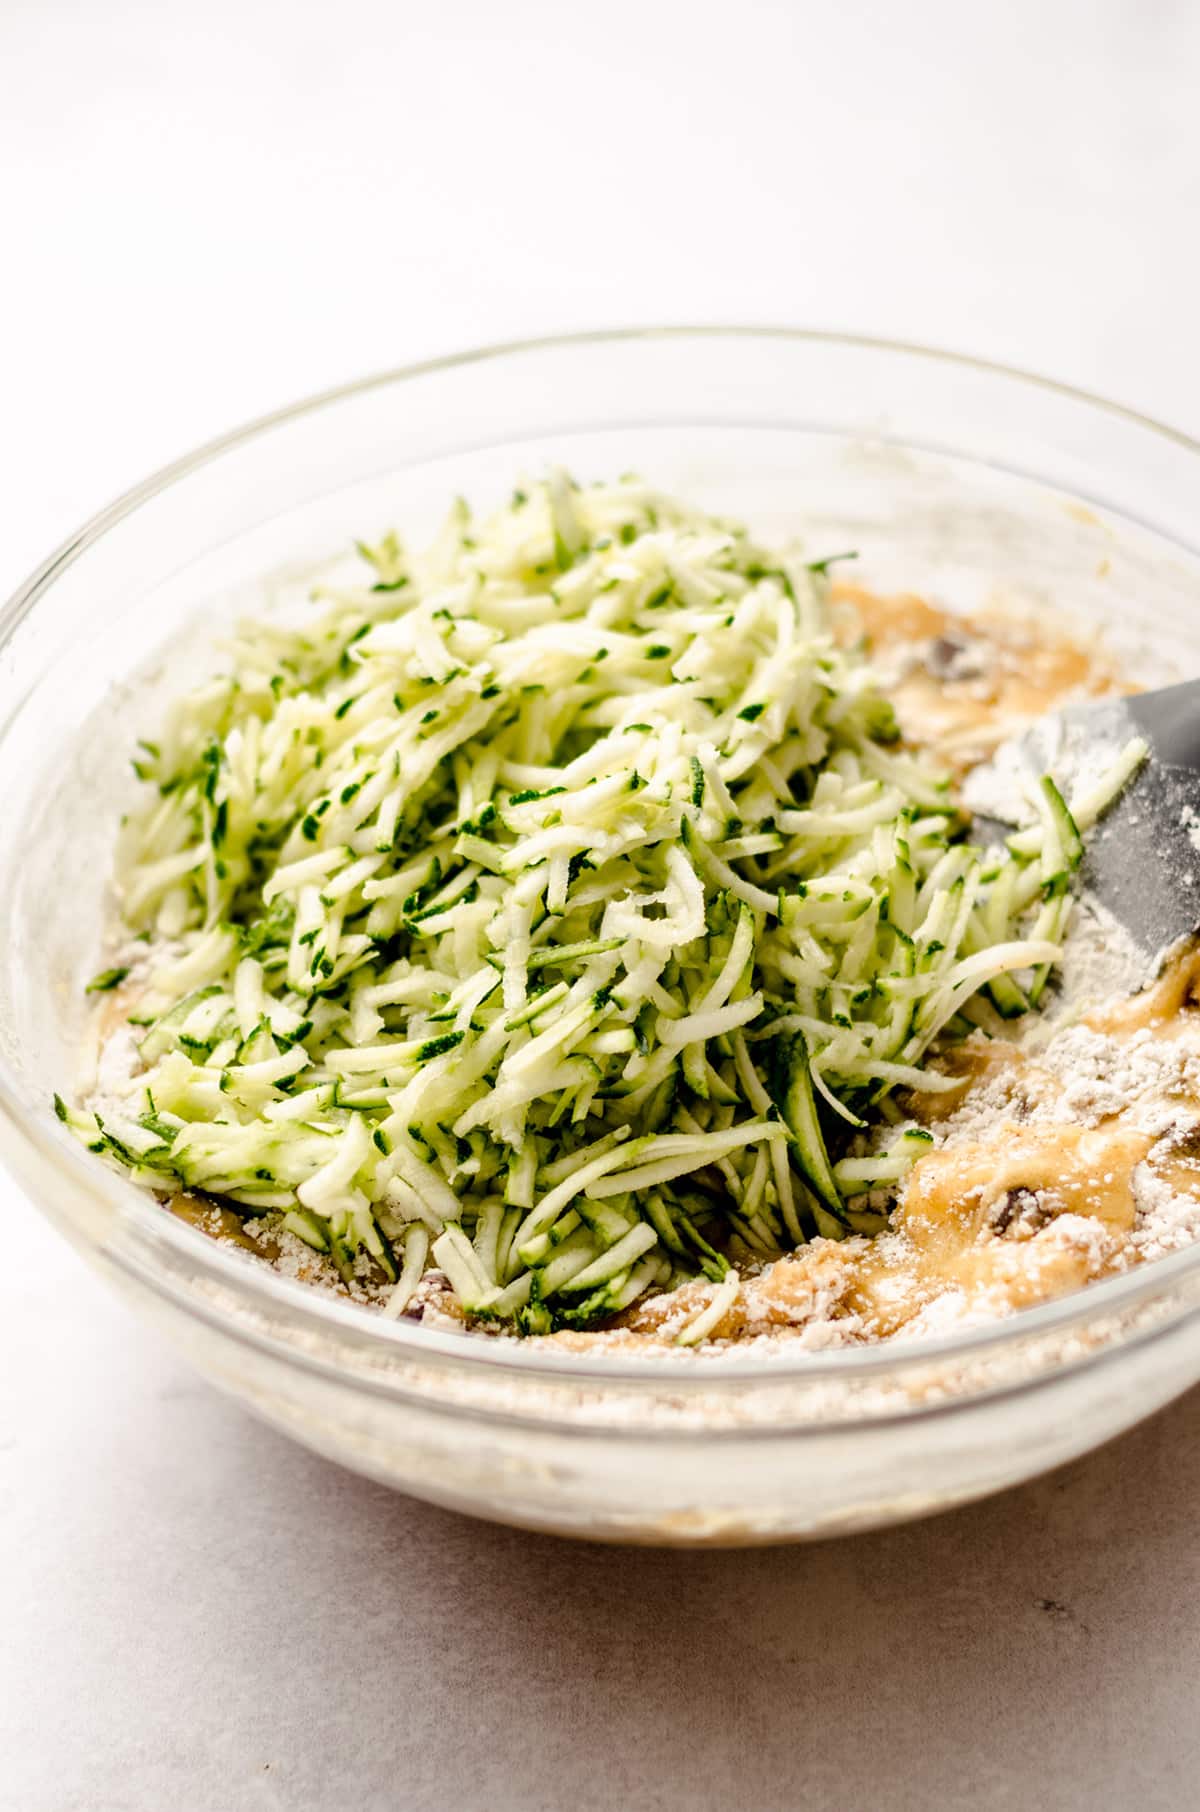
x=1142, y=860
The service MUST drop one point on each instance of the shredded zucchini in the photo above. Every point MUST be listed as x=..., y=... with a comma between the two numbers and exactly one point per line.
x=550, y=910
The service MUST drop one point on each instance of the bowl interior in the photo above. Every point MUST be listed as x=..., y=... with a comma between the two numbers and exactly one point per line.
x=960, y=481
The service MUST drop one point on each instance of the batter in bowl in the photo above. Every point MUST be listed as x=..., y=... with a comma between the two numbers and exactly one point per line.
x=573, y=931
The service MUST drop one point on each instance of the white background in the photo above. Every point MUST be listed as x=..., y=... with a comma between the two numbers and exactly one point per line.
x=207, y=211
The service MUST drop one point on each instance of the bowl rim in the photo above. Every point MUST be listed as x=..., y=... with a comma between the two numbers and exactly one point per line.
x=323, y=1311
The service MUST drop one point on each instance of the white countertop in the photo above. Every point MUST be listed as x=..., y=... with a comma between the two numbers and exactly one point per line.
x=209, y=211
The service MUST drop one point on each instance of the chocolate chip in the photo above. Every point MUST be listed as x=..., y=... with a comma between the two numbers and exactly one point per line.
x=1184, y=1141
x=1019, y=1209
x=952, y=657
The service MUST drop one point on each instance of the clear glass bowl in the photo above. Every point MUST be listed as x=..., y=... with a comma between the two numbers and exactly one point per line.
x=957, y=478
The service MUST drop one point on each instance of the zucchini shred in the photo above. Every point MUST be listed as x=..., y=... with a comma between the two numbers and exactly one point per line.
x=557, y=910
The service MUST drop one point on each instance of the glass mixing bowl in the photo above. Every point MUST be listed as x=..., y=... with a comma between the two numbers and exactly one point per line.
x=961, y=479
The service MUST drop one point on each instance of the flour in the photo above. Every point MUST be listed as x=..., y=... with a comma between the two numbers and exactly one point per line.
x=1167, y=1220
x=117, y=1065
x=1099, y=1076
x=1003, y=787
x=1100, y=965
x=1147, y=1081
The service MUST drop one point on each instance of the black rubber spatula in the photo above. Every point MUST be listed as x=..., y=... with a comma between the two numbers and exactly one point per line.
x=1142, y=859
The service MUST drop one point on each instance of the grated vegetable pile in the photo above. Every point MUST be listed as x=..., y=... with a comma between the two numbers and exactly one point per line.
x=557, y=909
